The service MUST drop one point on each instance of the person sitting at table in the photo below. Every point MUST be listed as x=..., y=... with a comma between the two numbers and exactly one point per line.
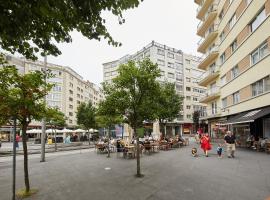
x=147, y=145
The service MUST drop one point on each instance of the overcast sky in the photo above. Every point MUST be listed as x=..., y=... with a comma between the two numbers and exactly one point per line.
x=169, y=22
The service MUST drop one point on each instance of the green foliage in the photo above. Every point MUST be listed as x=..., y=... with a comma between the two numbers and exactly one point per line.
x=168, y=102
x=55, y=118
x=132, y=92
x=28, y=26
x=86, y=115
x=196, y=118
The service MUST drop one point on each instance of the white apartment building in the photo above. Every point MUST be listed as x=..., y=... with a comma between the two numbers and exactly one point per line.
x=176, y=67
x=69, y=91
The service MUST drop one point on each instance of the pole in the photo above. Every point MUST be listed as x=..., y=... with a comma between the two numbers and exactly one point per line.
x=43, y=134
x=14, y=161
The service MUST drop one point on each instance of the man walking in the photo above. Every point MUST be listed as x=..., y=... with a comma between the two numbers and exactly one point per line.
x=230, y=143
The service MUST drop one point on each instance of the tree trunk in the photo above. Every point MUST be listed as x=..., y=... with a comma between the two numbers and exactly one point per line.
x=55, y=144
x=109, y=155
x=25, y=154
x=138, y=154
x=88, y=137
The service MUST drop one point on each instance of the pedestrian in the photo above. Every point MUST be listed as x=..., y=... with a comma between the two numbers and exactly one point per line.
x=219, y=150
x=17, y=140
x=230, y=143
x=205, y=144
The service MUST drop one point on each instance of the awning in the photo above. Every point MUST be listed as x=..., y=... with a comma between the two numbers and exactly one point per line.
x=249, y=116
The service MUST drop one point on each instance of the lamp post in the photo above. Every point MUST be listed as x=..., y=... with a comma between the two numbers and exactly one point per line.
x=14, y=161
x=43, y=134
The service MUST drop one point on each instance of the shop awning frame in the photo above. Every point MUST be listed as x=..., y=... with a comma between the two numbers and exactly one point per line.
x=249, y=116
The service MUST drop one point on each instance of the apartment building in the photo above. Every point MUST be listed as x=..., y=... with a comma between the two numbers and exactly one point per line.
x=236, y=45
x=176, y=67
x=69, y=90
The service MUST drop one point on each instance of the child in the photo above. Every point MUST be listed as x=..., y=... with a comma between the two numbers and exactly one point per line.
x=194, y=152
x=219, y=150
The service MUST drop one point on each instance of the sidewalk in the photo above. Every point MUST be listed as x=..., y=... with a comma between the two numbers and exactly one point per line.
x=169, y=175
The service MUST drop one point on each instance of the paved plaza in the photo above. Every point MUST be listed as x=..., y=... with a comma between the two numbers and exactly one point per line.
x=169, y=175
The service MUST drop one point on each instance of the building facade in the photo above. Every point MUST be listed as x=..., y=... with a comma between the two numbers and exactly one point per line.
x=69, y=90
x=176, y=67
x=236, y=45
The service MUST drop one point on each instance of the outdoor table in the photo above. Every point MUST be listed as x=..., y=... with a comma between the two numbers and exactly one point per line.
x=164, y=145
x=129, y=150
x=154, y=146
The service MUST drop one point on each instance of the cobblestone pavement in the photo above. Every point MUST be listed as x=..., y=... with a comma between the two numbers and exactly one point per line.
x=169, y=175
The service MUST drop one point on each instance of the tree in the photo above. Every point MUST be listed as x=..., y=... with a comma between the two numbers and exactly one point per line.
x=169, y=104
x=23, y=99
x=132, y=94
x=55, y=118
x=28, y=26
x=196, y=117
x=86, y=113
x=108, y=117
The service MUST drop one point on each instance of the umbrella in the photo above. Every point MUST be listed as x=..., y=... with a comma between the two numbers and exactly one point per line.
x=52, y=131
x=34, y=131
x=79, y=131
x=65, y=131
x=156, y=130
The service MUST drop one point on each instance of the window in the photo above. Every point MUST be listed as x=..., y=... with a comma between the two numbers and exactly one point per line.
x=189, y=116
x=71, y=106
x=187, y=61
x=71, y=85
x=220, y=16
x=170, y=55
x=161, y=62
x=195, y=99
x=188, y=107
x=161, y=52
x=179, y=66
x=233, y=46
x=224, y=102
x=236, y=97
x=107, y=74
x=147, y=54
x=179, y=77
x=222, y=36
x=234, y=71
x=223, y=80
x=178, y=57
x=179, y=87
x=170, y=65
x=259, y=53
x=232, y=21
x=70, y=113
x=188, y=98
x=187, y=79
x=70, y=99
x=187, y=70
x=214, y=107
x=171, y=75
x=222, y=58
x=261, y=86
x=70, y=121
x=258, y=20
x=57, y=88
x=78, y=102
x=162, y=73
x=188, y=89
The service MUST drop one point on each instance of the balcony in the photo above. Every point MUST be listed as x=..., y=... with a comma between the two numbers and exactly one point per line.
x=210, y=36
x=211, y=94
x=209, y=58
x=209, y=76
x=201, y=10
x=198, y=2
x=211, y=113
x=208, y=19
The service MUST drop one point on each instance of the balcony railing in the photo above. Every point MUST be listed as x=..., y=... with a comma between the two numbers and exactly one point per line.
x=213, y=91
x=210, y=10
x=210, y=72
x=212, y=29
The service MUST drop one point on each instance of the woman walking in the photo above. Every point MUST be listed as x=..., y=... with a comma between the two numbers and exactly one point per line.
x=205, y=144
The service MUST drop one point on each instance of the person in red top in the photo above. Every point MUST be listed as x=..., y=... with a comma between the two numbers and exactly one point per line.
x=205, y=144
x=17, y=140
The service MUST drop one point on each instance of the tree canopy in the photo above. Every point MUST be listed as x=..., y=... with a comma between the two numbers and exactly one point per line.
x=30, y=26
x=132, y=95
x=168, y=102
x=86, y=113
x=55, y=117
x=22, y=96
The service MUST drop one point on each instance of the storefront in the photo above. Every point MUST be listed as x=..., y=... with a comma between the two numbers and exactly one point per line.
x=217, y=127
x=251, y=124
